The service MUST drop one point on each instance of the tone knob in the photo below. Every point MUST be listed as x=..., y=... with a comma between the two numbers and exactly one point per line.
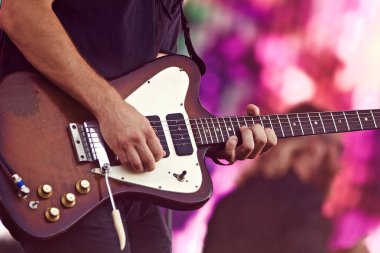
x=68, y=200
x=83, y=186
x=45, y=191
x=52, y=214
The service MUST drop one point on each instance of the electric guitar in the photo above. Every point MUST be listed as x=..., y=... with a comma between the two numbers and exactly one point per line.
x=54, y=146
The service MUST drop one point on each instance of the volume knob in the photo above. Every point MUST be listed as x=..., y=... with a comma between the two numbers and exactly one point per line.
x=52, y=214
x=83, y=186
x=45, y=191
x=68, y=200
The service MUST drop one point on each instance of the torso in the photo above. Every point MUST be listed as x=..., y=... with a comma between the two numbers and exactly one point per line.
x=115, y=38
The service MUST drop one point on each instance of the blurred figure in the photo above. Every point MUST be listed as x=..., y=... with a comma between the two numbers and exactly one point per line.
x=277, y=206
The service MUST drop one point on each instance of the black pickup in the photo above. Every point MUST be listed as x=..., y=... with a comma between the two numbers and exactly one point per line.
x=180, y=134
x=155, y=122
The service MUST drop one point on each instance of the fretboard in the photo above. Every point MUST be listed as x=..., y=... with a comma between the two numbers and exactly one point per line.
x=209, y=131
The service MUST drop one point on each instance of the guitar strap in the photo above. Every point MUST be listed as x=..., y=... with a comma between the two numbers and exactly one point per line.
x=189, y=45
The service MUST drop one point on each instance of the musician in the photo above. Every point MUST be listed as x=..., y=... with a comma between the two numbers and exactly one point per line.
x=79, y=45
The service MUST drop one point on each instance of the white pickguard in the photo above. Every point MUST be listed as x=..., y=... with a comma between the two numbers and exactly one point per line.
x=164, y=94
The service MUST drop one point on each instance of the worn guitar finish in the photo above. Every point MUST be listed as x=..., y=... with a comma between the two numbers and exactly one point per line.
x=34, y=138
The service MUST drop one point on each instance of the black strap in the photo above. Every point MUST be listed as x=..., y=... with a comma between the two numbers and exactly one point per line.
x=190, y=48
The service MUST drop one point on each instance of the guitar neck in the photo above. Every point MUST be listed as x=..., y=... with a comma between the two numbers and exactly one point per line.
x=208, y=131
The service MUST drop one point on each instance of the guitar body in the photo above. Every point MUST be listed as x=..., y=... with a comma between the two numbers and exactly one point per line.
x=34, y=138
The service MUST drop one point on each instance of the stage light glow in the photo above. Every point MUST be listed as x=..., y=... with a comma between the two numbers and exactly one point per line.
x=292, y=85
x=297, y=86
x=365, y=97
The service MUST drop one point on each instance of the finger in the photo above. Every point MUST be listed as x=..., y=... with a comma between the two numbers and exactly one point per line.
x=155, y=146
x=260, y=139
x=271, y=140
x=134, y=160
x=247, y=145
x=146, y=156
x=230, y=149
x=122, y=157
x=253, y=110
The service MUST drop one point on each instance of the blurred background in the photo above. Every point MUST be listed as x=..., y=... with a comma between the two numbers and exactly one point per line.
x=322, y=193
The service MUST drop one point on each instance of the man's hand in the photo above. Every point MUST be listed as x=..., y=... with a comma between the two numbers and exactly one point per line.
x=255, y=141
x=131, y=137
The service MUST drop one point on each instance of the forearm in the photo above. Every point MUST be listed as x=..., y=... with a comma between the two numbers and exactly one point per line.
x=39, y=35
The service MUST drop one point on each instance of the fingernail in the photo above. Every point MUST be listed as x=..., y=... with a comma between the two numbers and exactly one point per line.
x=163, y=153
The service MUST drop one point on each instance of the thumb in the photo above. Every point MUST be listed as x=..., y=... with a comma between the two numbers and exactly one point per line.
x=253, y=110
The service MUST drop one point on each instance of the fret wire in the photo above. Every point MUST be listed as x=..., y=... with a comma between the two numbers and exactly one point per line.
x=205, y=131
x=238, y=121
x=274, y=125
x=373, y=118
x=344, y=114
x=311, y=124
x=215, y=130
x=225, y=123
x=332, y=116
x=233, y=128
x=264, y=119
x=360, y=121
x=208, y=126
x=282, y=130
x=225, y=128
x=262, y=124
x=270, y=122
x=196, y=122
x=220, y=130
x=300, y=124
x=323, y=125
x=290, y=124
x=245, y=122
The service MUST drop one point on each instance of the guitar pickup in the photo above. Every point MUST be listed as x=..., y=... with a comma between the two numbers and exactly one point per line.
x=180, y=134
x=156, y=124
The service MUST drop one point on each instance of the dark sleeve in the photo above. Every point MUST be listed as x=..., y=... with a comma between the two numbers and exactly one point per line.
x=169, y=44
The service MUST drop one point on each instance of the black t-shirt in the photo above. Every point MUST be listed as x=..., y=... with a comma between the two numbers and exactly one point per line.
x=115, y=37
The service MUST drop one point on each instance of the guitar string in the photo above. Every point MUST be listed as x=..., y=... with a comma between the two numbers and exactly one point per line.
x=210, y=134
x=230, y=120
x=209, y=137
x=342, y=116
x=273, y=121
x=277, y=123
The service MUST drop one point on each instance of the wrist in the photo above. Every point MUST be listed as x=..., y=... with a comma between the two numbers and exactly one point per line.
x=104, y=100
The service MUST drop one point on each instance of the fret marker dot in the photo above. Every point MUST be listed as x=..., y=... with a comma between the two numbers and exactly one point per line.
x=229, y=129
x=294, y=124
x=365, y=118
x=206, y=130
x=217, y=130
x=264, y=117
x=316, y=122
x=340, y=121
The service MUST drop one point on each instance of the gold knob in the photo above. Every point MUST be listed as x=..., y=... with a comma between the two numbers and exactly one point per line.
x=83, y=186
x=52, y=214
x=68, y=200
x=45, y=191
